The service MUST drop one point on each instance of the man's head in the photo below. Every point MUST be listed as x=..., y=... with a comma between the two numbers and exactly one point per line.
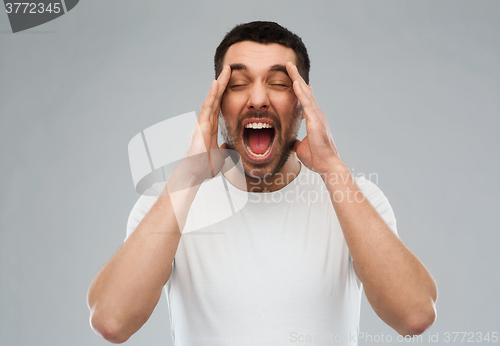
x=264, y=33
x=260, y=114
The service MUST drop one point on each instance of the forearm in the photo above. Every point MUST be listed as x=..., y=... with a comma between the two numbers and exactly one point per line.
x=397, y=285
x=125, y=292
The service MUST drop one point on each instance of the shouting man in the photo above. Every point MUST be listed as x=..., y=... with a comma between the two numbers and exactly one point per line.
x=289, y=267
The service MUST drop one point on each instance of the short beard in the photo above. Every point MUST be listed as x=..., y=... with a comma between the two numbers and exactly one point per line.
x=225, y=133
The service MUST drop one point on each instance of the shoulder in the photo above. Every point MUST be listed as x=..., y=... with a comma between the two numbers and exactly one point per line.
x=378, y=200
x=368, y=187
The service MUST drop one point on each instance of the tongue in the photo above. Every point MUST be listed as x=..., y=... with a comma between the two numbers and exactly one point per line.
x=259, y=140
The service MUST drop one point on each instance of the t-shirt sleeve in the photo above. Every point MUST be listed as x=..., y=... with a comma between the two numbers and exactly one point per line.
x=379, y=201
x=140, y=209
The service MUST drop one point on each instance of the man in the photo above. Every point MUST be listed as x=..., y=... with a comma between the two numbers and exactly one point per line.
x=280, y=270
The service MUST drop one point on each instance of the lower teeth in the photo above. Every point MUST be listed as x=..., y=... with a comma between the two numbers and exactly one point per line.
x=258, y=155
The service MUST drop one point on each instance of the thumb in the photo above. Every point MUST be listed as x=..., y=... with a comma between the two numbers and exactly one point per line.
x=217, y=158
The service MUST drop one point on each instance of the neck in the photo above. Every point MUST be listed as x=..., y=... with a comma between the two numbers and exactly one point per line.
x=285, y=176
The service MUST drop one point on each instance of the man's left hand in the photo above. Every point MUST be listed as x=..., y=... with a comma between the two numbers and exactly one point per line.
x=316, y=151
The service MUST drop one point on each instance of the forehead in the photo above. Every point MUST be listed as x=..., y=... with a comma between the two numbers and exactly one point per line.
x=258, y=56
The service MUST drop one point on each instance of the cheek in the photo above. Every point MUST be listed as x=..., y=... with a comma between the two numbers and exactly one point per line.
x=232, y=105
x=284, y=102
x=230, y=112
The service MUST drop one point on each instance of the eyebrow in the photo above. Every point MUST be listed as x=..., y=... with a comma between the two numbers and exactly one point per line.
x=280, y=68
x=238, y=67
x=276, y=67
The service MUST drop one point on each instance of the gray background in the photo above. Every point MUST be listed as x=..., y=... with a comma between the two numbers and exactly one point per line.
x=410, y=88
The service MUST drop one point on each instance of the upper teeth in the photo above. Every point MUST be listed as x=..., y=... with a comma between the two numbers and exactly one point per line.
x=258, y=126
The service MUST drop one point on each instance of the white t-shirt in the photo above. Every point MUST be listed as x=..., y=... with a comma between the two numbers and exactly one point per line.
x=276, y=272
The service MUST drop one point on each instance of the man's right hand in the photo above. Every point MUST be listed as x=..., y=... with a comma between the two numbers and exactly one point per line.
x=204, y=158
x=124, y=293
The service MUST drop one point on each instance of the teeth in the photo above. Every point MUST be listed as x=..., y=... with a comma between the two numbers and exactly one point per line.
x=258, y=155
x=258, y=126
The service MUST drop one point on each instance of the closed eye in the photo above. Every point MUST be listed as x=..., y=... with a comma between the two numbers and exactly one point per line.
x=280, y=86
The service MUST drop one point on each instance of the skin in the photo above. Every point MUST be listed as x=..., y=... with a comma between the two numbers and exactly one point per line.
x=124, y=293
x=398, y=286
x=126, y=290
x=259, y=86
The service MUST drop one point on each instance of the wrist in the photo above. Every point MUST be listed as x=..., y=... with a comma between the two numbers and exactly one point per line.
x=181, y=179
x=337, y=174
x=336, y=166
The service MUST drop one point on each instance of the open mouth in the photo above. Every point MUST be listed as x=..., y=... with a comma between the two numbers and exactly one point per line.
x=258, y=139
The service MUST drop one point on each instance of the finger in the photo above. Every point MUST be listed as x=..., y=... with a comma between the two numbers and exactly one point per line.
x=206, y=107
x=307, y=89
x=306, y=102
x=224, y=79
x=310, y=106
x=294, y=74
x=222, y=83
x=221, y=87
x=214, y=114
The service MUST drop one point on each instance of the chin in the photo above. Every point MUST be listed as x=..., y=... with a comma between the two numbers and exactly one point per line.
x=268, y=169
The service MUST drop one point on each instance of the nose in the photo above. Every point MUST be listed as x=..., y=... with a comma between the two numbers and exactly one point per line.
x=258, y=98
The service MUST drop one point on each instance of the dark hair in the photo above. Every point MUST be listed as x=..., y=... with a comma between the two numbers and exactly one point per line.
x=265, y=33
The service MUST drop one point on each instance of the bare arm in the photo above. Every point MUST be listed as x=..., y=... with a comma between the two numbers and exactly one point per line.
x=397, y=285
x=126, y=290
x=124, y=293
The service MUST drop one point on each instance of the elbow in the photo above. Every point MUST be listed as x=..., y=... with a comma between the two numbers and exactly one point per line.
x=108, y=329
x=418, y=323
